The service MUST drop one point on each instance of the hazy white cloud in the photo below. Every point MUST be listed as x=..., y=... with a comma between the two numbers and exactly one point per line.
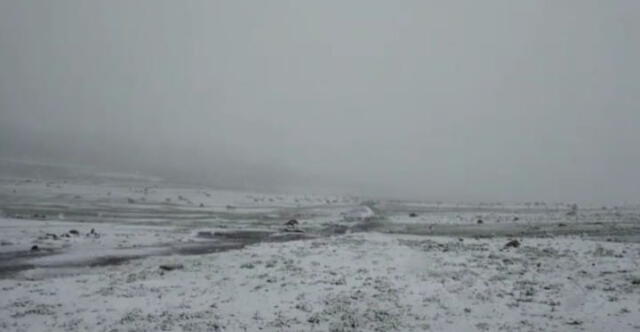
x=429, y=99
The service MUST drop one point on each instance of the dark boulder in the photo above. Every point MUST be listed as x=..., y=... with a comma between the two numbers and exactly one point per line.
x=93, y=233
x=171, y=267
x=512, y=244
x=292, y=223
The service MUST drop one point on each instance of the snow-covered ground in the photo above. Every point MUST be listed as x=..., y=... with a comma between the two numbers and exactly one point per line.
x=356, y=282
x=118, y=253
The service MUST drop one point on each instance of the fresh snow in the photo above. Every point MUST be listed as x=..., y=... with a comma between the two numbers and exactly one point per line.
x=230, y=263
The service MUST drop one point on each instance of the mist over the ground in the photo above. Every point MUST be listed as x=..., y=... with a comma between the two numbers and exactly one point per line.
x=483, y=100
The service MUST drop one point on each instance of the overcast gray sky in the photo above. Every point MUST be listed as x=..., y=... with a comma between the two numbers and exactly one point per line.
x=489, y=100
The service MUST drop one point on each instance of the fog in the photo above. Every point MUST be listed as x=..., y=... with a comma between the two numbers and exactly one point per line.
x=465, y=100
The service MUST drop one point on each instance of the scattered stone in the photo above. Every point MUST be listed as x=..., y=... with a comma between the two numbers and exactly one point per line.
x=303, y=307
x=413, y=214
x=171, y=267
x=131, y=200
x=53, y=236
x=205, y=234
x=574, y=322
x=292, y=223
x=635, y=281
x=512, y=244
x=293, y=230
x=74, y=232
x=480, y=222
x=482, y=326
x=271, y=264
x=562, y=224
x=201, y=205
x=35, y=248
x=336, y=229
x=516, y=218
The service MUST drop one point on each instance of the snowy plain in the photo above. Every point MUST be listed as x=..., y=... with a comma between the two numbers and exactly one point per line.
x=118, y=253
